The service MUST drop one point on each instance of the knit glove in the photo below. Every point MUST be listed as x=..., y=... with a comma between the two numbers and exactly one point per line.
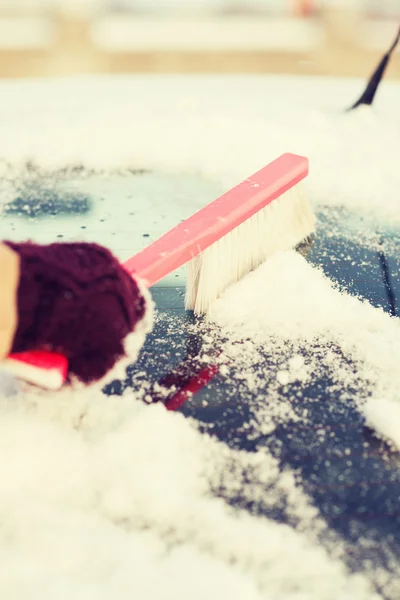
x=76, y=299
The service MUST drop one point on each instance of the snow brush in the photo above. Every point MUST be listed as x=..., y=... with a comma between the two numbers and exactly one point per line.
x=266, y=213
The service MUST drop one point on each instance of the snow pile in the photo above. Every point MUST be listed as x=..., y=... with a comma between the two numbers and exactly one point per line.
x=102, y=497
x=224, y=128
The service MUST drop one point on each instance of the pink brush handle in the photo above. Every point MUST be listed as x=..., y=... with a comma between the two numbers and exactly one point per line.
x=209, y=224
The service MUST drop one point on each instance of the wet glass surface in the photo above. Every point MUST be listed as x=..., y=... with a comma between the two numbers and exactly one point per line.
x=353, y=478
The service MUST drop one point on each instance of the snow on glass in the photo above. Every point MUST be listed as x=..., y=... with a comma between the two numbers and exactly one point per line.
x=106, y=497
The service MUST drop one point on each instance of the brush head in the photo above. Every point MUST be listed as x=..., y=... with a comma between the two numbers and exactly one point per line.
x=281, y=225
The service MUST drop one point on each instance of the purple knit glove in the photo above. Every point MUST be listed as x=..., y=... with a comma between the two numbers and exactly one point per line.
x=76, y=299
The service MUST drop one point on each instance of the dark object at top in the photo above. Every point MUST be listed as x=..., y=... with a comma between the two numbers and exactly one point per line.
x=75, y=298
x=368, y=95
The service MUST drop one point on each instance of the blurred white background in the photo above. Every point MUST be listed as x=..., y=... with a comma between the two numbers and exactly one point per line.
x=64, y=37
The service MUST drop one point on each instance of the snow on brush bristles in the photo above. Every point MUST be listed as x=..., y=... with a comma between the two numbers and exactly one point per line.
x=281, y=225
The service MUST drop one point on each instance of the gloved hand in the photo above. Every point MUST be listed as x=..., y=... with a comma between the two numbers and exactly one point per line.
x=72, y=298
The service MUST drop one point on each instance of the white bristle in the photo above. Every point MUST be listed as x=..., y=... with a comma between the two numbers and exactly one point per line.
x=281, y=225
